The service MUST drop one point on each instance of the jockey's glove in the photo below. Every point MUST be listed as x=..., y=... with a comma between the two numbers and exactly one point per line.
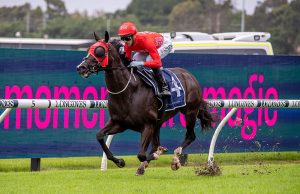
x=136, y=64
x=121, y=50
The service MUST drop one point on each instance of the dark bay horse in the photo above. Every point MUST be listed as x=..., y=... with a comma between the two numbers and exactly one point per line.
x=133, y=105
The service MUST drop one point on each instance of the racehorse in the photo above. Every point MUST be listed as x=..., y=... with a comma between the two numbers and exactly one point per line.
x=133, y=105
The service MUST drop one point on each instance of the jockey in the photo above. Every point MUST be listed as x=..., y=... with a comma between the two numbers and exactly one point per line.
x=150, y=48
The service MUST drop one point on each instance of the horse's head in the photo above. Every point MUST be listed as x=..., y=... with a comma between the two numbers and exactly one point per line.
x=97, y=58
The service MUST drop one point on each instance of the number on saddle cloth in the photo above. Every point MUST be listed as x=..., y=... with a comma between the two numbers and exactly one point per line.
x=177, y=98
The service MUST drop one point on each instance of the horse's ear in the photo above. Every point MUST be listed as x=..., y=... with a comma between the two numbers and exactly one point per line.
x=97, y=38
x=106, y=36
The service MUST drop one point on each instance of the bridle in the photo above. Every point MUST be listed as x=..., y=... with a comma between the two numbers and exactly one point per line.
x=99, y=66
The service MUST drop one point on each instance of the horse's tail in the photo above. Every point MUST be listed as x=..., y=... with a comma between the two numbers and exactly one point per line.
x=205, y=116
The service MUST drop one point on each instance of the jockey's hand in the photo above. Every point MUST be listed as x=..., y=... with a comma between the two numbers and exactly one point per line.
x=136, y=64
x=121, y=50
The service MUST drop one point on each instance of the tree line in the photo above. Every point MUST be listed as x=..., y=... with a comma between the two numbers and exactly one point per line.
x=279, y=17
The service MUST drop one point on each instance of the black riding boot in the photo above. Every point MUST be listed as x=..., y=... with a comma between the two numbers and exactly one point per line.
x=161, y=83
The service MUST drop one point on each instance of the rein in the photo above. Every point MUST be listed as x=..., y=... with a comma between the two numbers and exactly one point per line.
x=131, y=74
x=99, y=67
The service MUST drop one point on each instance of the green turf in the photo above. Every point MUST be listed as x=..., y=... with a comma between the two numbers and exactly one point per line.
x=241, y=173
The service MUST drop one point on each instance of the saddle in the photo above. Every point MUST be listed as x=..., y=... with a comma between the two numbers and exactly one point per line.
x=177, y=98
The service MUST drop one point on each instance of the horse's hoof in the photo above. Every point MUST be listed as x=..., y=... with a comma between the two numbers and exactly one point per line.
x=163, y=149
x=140, y=171
x=175, y=166
x=120, y=163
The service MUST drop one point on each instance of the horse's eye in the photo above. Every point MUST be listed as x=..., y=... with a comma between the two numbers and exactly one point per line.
x=94, y=68
x=99, y=52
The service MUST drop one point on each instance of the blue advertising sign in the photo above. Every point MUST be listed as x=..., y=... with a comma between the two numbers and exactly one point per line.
x=47, y=74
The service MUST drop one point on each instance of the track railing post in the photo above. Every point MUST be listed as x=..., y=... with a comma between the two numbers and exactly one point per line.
x=35, y=164
x=216, y=134
x=4, y=114
x=104, y=157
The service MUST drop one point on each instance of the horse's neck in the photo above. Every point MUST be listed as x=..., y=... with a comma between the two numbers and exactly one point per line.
x=118, y=78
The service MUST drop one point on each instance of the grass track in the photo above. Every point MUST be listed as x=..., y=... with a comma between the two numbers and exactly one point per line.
x=242, y=173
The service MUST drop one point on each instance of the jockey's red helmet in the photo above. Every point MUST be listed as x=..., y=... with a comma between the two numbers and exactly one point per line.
x=127, y=28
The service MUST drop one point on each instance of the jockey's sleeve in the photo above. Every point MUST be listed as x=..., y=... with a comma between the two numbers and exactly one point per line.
x=156, y=61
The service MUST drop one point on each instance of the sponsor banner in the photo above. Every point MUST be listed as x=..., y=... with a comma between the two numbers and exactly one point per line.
x=69, y=129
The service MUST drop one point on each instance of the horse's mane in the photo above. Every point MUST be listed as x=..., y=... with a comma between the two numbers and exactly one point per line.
x=117, y=44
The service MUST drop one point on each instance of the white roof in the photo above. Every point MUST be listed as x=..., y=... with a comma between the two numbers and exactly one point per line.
x=243, y=36
x=191, y=36
x=228, y=36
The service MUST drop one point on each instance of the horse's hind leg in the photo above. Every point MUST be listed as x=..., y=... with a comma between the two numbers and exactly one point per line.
x=109, y=129
x=189, y=138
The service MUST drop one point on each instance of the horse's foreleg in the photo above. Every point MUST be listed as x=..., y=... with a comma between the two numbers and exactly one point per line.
x=146, y=138
x=110, y=129
x=153, y=156
x=141, y=168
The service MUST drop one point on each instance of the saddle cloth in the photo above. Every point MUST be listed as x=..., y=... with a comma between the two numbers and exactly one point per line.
x=177, y=98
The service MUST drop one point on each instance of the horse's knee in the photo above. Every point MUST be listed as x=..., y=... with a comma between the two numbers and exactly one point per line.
x=99, y=135
x=190, y=136
x=142, y=157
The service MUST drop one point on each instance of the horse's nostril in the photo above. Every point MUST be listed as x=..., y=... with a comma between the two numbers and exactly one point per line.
x=80, y=68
